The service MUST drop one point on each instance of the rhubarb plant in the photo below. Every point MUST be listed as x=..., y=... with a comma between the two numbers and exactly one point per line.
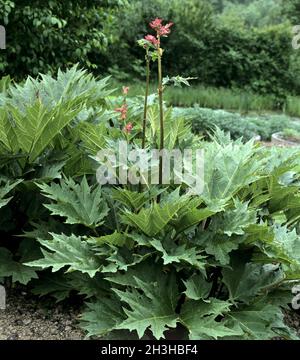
x=146, y=260
x=220, y=265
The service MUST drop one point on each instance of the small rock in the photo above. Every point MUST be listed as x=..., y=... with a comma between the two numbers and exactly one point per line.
x=18, y=322
x=61, y=327
x=53, y=331
x=27, y=321
x=75, y=337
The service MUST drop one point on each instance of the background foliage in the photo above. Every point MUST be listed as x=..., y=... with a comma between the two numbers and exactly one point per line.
x=244, y=44
x=45, y=35
x=202, y=46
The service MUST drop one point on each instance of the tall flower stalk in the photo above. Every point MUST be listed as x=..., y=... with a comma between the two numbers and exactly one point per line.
x=146, y=97
x=161, y=31
x=161, y=110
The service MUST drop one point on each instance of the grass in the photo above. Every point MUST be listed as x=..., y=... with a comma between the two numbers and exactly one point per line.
x=219, y=98
x=293, y=106
x=291, y=134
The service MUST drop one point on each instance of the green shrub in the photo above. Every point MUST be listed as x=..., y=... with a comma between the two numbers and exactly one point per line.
x=254, y=13
x=205, y=120
x=293, y=106
x=43, y=36
x=216, y=264
x=220, y=264
x=226, y=59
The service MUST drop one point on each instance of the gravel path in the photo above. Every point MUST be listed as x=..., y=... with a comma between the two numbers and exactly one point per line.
x=30, y=318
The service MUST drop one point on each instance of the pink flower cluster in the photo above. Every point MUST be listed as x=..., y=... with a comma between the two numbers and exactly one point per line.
x=125, y=90
x=161, y=30
x=152, y=39
x=123, y=111
x=128, y=127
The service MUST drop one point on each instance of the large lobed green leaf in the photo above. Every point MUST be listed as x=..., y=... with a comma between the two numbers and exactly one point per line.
x=72, y=252
x=154, y=308
x=78, y=203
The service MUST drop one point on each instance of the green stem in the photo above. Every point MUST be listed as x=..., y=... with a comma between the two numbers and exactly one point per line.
x=292, y=221
x=95, y=232
x=145, y=106
x=146, y=99
x=161, y=113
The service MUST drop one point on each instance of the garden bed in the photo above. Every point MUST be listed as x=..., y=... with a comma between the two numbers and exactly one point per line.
x=279, y=140
x=205, y=120
x=28, y=317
